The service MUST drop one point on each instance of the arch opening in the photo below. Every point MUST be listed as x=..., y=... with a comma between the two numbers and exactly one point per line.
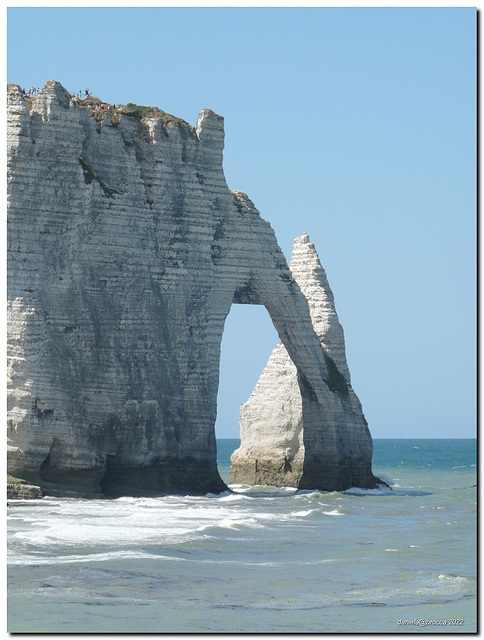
x=247, y=342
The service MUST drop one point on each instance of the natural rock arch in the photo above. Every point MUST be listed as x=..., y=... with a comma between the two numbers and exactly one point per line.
x=272, y=449
x=126, y=251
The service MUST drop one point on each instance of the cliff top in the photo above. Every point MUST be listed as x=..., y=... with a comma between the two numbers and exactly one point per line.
x=98, y=107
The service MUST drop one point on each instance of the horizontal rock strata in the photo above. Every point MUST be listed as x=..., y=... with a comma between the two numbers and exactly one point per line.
x=272, y=449
x=18, y=489
x=126, y=250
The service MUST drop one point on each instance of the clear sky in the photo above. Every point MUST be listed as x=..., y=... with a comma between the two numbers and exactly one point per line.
x=355, y=125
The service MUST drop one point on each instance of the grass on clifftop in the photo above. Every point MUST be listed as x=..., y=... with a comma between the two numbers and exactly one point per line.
x=130, y=109
x=100, y=108
x=152, y=112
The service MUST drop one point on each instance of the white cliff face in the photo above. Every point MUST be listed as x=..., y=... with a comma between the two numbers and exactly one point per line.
x=271, y=448
x=311, y=278
x=126, y=250
x=271, y=421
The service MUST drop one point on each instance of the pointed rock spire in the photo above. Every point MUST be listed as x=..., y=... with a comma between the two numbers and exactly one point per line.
x=272, y=449
x=311, y=278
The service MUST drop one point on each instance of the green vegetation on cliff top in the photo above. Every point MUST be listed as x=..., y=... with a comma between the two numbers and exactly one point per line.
x=100, y=108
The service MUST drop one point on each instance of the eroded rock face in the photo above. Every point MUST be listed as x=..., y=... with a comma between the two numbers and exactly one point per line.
x=126, y=250
x=272, y=447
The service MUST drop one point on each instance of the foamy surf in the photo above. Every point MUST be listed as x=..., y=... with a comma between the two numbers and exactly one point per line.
x=303, y=514
x=280, y=560
x=385, y=477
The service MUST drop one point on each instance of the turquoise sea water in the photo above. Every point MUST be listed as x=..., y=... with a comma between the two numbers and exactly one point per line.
x=260, y=559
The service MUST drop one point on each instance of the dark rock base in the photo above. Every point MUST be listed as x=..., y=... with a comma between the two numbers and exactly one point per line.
x=315, y=478
x=170, y=477
x=276, y=473
x=17, y=489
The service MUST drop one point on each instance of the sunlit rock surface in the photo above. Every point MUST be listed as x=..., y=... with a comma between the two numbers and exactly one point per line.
x=126, y=250
x=271, y=422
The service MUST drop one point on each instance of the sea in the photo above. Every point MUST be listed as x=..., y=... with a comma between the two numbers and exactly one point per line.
x=400, y=559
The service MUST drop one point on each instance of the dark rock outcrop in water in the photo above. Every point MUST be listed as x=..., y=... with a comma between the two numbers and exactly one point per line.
x=19, y=489
x=126, y=250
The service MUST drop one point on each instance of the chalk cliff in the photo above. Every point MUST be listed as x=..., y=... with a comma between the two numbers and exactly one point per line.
x=126, y=250
x=271, y=422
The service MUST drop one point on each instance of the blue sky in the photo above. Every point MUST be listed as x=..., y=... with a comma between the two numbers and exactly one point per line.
x=355, y=125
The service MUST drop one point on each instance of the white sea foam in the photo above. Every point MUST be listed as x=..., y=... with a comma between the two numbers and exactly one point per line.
x=218, y=495
x=239, y=487
x=121, y=554
x=452, y=578
x=233, y=497
x=120, y=522
x=385, y=477
x=240, y=523
x=379, y=491
x=311, y=492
